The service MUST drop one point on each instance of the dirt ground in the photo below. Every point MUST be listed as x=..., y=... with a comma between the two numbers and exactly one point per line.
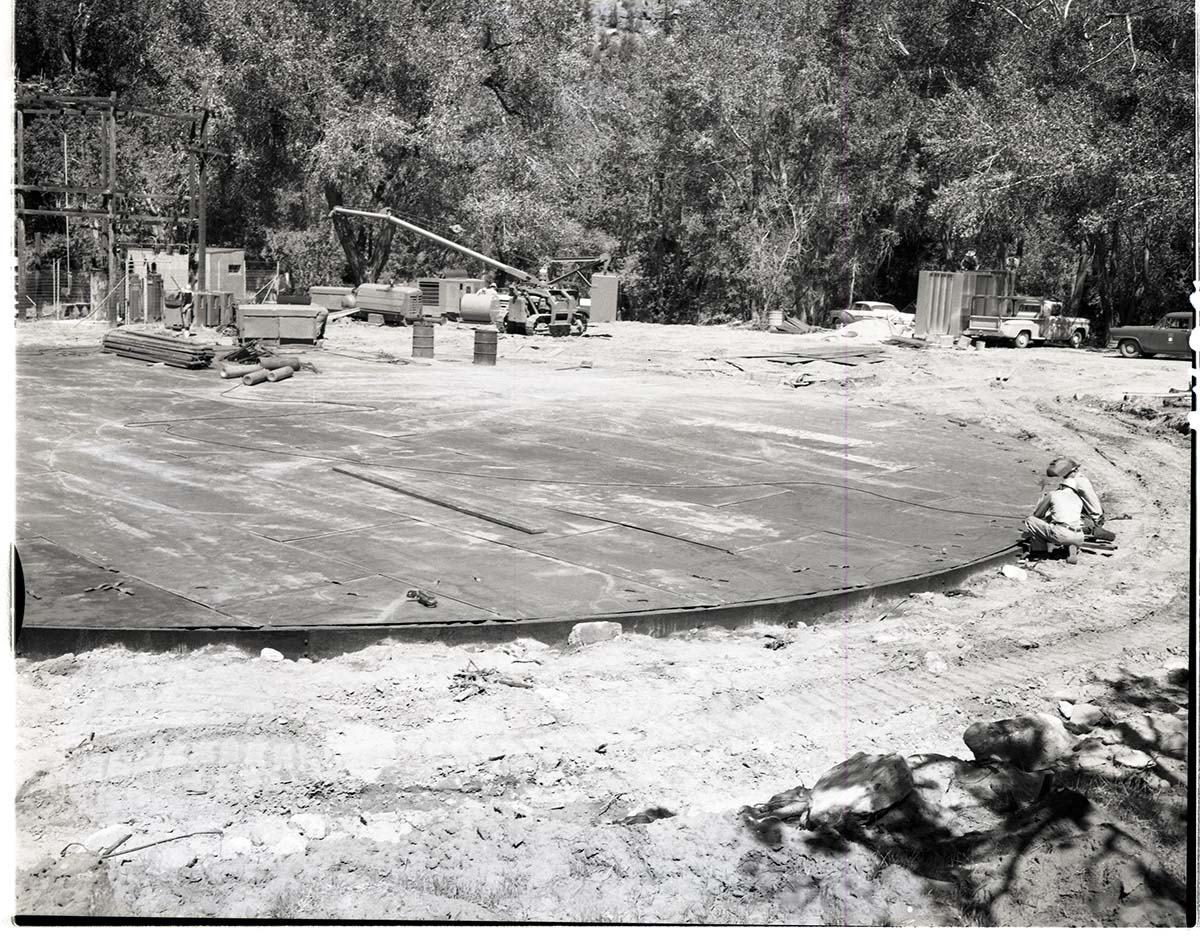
x=363, y=785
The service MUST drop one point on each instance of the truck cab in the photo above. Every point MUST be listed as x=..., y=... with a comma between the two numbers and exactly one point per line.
x=1023, y=320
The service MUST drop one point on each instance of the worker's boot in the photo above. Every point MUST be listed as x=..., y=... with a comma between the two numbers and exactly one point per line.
x=1072, y=554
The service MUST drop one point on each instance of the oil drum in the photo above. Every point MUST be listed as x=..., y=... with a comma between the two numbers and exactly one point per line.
x=486, y=340
x=422, y=341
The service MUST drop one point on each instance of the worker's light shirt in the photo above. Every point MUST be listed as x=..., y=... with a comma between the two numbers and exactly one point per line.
x=1062, y=506
x=1091, y=500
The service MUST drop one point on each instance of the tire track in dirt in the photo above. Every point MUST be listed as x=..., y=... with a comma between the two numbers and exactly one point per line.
x=818, y=706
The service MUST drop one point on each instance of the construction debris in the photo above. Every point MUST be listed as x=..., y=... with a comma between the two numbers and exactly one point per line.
x=157, y=349
x=472, y=680
x=425, y=598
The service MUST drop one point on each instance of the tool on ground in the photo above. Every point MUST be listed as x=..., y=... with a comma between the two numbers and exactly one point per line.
x=426, y=598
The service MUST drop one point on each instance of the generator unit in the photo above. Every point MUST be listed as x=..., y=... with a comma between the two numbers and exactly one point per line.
x=399, y=305
x=442, y=297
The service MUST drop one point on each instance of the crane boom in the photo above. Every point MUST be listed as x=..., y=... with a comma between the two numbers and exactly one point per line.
x=519, y=275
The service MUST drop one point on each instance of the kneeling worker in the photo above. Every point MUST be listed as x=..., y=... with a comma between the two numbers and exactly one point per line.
x=1093, y=510
x=1057, y=520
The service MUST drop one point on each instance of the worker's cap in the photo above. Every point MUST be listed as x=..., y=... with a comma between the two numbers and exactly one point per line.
x=1061, y=467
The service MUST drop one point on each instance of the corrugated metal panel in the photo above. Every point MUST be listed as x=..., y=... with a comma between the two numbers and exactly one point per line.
x=945, y=300
x=939, y=294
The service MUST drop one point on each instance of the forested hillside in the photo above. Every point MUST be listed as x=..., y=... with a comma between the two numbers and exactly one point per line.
x=733, y=155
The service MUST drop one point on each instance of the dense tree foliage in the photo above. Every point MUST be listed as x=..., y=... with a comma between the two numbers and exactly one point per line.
x=733, y=155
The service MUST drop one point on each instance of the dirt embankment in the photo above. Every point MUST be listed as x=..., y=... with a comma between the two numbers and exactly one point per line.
x=357, y=787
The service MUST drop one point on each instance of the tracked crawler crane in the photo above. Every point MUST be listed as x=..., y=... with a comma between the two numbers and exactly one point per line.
x=535, y=304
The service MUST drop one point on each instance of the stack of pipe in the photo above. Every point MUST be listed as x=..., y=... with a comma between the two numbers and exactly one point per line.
x=158, y=349
x=271, y=369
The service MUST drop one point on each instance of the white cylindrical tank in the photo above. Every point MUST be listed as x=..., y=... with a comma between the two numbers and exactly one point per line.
x=480, y=308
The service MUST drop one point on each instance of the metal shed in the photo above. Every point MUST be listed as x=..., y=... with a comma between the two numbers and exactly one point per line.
x=226, y=271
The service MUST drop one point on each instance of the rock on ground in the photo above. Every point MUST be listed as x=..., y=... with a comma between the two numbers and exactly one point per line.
x=1157, y=732
x=310, y=825
x=590, y=632
x=864, y=784
x=961, y=797
x=1085, y=715
x=1030, y=742
x=271, y=655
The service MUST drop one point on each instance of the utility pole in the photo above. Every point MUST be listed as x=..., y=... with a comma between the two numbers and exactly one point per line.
x=112, y=206
x=20, y=203
x=67, y=205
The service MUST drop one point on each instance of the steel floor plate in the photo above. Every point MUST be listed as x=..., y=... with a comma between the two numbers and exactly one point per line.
x=219, y=502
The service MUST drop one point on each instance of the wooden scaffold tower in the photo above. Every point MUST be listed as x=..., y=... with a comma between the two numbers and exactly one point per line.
x=115, y=206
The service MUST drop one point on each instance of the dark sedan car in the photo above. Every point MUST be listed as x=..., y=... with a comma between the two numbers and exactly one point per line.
x=1169, y=335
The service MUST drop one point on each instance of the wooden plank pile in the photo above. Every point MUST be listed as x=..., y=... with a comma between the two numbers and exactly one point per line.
x=158, y=349
x=792, y=326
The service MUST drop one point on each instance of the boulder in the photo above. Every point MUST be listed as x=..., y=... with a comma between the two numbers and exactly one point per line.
x=590, y=632
x=271, y=656
x=1127, y=757
x=1153, y=911
x=1029, y=742
x=963, y=797
x=860, y=786
x=1156, y=731
x=1085, y=715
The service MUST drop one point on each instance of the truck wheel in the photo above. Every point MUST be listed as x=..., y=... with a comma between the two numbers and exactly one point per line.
x=1022, y=340
x=1129, y=348
x=1076, y=339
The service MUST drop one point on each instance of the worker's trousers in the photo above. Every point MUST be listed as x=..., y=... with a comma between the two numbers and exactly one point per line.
x=1053, y=533
x=1097, y=531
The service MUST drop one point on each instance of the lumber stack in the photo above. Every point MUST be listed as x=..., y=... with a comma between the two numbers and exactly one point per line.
x=158, y=349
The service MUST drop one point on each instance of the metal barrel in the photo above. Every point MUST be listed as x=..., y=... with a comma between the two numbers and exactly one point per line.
x=775, y=318
x=422, y=341
x=486, y=340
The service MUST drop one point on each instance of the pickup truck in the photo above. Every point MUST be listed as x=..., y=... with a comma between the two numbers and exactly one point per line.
x=1169, y=335
x=1023, y=320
